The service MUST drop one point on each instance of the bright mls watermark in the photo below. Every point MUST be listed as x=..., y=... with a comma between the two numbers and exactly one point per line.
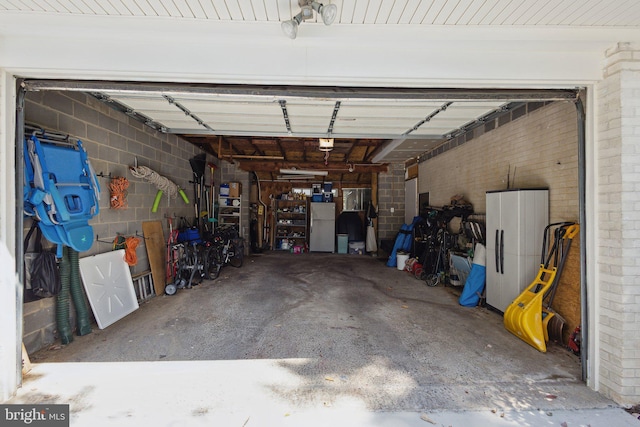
x=34, y=415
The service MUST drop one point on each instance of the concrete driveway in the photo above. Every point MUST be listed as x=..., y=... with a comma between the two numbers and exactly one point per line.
x=314, y=338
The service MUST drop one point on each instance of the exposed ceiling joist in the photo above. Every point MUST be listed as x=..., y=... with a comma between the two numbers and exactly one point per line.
x=263, y=166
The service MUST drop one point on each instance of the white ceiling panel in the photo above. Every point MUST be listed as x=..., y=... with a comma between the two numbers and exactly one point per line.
x=262, y=115
x=573, y=13
x=232, y=107
x=253, y=129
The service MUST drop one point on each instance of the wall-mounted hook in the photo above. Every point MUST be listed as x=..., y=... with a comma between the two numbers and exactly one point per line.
x=102, y=175
x=103, y=241
x=140, y=235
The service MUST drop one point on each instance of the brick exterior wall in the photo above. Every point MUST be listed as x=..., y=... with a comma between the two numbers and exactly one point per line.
x=618, y=157
x=536, y=149
x=112, y=140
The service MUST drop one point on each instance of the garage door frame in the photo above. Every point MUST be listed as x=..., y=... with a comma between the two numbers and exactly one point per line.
x=585, y=123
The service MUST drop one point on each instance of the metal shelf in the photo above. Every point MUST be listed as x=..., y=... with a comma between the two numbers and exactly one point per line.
x=294, y=211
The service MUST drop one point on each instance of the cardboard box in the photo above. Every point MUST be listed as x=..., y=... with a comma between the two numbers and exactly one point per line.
x=235, y=189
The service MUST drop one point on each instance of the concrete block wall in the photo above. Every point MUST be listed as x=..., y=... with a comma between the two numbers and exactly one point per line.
x=390, y=195
x=113, y=141
x=537, y=147
x=618, y=203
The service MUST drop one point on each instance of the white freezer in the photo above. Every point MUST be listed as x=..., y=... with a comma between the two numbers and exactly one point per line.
x=322, y=227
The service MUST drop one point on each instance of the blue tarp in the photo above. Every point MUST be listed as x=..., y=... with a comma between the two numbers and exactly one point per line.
x=403, y=241
x=474, y=286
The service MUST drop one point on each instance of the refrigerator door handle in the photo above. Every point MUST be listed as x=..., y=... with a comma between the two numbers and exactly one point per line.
x=502, y=251
x=496, y=251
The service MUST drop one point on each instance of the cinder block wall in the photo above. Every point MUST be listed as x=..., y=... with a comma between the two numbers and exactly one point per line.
x=535, y=147
x=113, y=141
x=390, y=195
x=618, y=157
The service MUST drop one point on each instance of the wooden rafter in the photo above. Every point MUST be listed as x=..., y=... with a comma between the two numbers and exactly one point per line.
x=258, y=165
x=348, y=154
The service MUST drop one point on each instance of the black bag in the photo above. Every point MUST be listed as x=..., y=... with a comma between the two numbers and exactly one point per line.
x=42, y=277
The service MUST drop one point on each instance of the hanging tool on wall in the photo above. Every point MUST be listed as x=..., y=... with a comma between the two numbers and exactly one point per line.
x=211, y=203
x=198, y=164
x=163, y=184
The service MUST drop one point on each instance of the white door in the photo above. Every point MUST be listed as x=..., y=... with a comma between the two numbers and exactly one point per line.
x=493, y=227
x=510, y=253
x=410, y=200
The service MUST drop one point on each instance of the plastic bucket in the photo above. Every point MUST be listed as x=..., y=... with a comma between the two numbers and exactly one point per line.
x=401, y=260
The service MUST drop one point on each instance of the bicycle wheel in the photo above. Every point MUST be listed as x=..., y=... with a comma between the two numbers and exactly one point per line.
x=432, y=279
x=212, y=264
x=236, y=255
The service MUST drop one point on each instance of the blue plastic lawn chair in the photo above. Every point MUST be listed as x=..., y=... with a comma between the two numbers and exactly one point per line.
x=61, y=191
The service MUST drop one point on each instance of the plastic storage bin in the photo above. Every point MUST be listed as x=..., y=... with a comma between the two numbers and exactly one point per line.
x=343, y=243
x=356, y=248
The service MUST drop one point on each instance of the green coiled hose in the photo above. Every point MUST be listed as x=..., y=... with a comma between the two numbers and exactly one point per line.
x=77, y=293
x=62, y=301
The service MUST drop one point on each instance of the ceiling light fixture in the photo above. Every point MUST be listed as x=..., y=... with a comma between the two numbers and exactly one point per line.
x=328, y=14
x=326, y=144
x=304, y=172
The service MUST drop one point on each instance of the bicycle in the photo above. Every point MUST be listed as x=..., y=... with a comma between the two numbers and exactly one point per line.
x=190, y=265
x=225, y=248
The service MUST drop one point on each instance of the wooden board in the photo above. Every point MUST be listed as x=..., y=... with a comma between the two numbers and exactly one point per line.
x=567, y=299
x=156, y=252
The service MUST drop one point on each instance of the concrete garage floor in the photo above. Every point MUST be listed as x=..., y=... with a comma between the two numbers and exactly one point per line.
x=309, y=340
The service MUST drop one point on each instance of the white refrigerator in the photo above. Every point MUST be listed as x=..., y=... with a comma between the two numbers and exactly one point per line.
x=323, y=227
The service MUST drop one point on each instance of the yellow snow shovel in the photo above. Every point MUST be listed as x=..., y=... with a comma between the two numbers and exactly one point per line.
x=523, y=317
x=526, y=317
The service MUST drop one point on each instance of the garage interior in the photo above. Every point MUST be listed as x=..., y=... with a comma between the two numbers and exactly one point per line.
x=395, y=343
x=403, y=138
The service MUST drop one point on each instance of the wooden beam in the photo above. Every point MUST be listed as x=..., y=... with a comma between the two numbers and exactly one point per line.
x=266, y=166
x=353, y=145
x=282, y=152
x=250, y=156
